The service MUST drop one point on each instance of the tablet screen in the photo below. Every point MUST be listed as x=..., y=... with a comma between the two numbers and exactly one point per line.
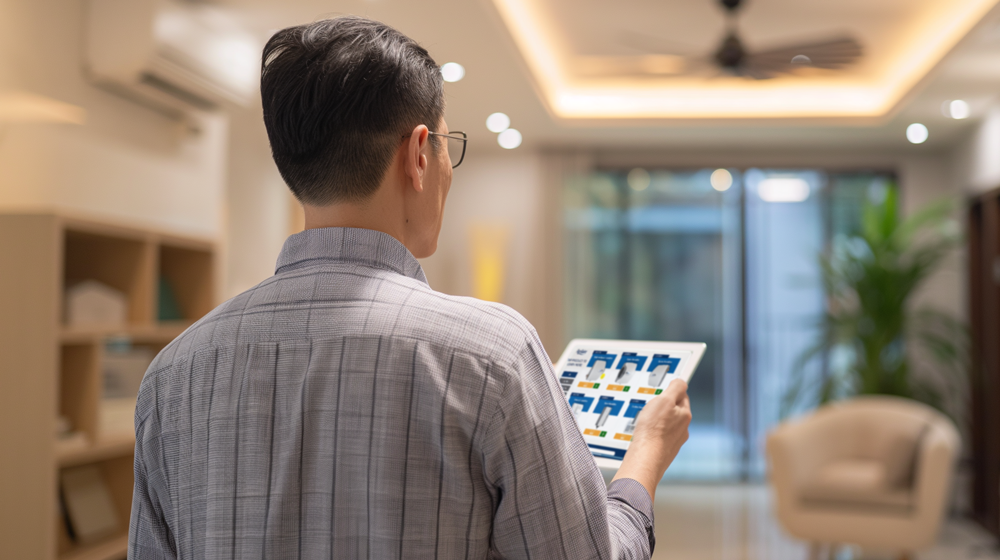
x=608, y=382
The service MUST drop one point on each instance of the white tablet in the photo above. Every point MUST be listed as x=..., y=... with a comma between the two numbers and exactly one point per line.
x=607, y=382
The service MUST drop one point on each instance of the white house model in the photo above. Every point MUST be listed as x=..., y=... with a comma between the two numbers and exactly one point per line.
x=91, y=303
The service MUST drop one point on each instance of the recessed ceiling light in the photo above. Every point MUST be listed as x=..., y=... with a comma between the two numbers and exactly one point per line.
x=497, y=122
x=509, y=139
x=959, y=109
x=783, y=189
x=452, y=72
x=917, y=133
x=721, y=180
x=638, y=179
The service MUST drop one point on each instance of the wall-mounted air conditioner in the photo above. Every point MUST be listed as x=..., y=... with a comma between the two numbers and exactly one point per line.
x=173, y=55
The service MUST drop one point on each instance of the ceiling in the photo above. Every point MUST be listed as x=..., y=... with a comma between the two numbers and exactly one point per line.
x=500, y=78
x=561, y=39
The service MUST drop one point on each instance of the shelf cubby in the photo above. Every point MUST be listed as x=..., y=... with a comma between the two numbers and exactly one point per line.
x=123, y=263
x=80, y=387
x=117, y=473
x=186, y=271
x=81, y=390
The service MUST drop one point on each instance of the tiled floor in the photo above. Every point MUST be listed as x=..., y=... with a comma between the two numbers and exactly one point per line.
x=734, y=522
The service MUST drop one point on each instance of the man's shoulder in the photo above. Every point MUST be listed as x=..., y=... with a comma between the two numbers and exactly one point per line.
x=489, y=329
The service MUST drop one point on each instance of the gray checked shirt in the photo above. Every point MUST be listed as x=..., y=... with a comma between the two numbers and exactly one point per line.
x=343, y=409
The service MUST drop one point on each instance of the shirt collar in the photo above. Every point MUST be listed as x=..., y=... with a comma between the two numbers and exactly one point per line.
x=339, y=244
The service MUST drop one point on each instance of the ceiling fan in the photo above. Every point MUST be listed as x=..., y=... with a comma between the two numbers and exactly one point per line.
x=732, y=57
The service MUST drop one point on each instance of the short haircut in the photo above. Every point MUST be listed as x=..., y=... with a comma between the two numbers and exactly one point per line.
x=338, y=96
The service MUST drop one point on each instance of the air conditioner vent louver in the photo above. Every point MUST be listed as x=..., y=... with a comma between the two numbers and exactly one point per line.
x=172, y=54
x=180, y=93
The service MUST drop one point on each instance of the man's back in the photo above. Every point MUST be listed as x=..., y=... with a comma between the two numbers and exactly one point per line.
x=343, y=409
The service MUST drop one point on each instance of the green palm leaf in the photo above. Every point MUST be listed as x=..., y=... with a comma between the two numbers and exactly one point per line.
x=870, y=280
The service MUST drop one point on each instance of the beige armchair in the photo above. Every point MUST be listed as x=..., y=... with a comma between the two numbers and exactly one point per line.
x=872, y=471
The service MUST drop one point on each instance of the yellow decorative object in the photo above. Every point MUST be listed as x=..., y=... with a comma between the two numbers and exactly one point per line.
x=488, y=244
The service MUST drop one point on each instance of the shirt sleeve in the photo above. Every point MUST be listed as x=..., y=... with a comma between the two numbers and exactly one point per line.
x=148, y=534
x=553, y=502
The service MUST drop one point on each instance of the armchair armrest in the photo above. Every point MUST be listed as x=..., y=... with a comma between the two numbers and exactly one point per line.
x=932, y=481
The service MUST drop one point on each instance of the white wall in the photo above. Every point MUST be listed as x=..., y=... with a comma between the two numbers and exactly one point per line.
x=258, y=205
x=924, y=181
x=976, y=160
x=127, y=163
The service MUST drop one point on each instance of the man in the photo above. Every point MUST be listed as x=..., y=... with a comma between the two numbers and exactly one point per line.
x=342, y=408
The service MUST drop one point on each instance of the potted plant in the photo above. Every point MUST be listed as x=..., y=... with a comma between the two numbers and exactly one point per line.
x=873, y=337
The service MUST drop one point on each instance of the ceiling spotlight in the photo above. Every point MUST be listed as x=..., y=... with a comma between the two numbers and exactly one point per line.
x=801, y=59
x=917, y=133
x=721, y=180
x=638, y=179
x=783, y=189
x=958, y=109
x=497, y=122
x=509, y=139
x=452, y=72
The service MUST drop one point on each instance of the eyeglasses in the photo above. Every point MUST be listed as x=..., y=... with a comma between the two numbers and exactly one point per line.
x=455, y=138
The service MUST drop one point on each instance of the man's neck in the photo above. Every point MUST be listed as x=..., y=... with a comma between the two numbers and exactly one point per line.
x=383, y=211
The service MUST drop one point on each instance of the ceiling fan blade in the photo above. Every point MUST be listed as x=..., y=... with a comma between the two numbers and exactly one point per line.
x=832, y=54
x=758, y=72
x=843, y=45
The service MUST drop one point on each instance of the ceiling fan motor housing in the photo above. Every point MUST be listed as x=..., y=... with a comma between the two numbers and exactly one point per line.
x=731, y=53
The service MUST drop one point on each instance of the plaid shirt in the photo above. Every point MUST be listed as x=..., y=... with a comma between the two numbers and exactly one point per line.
x=343, y=409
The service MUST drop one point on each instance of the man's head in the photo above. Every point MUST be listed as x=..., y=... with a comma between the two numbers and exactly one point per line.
x=338, y=96
x=348, y=106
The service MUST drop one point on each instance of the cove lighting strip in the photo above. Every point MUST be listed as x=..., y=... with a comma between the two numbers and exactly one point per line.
x=919, y=50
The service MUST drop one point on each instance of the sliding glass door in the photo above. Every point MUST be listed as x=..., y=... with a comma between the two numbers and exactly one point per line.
x=721, y=256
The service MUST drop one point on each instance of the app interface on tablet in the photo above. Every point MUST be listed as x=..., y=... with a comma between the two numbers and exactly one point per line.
x=607, y=389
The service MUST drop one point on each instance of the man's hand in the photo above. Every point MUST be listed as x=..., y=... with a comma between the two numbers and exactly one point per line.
x=660, y=431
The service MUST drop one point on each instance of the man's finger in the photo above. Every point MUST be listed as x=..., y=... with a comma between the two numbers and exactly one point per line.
x=677, y=389
x=685, y=402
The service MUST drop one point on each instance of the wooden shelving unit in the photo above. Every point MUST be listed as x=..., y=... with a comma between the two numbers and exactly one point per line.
x=100, y=450
x=50, y=369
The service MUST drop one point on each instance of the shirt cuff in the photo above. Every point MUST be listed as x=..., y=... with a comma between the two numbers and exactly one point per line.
x=633, y=494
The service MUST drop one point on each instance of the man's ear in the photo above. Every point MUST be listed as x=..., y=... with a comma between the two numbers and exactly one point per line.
x=416, y=158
